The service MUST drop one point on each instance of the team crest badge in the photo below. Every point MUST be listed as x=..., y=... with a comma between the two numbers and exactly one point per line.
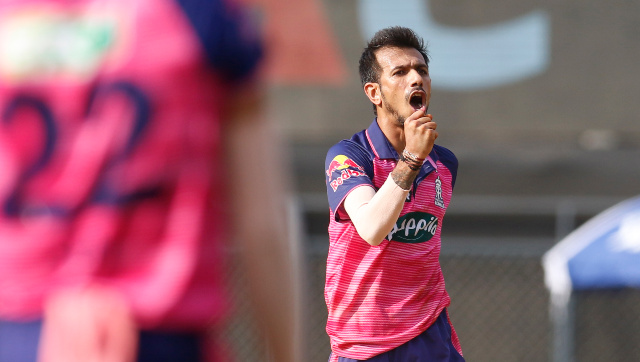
x=439, y=201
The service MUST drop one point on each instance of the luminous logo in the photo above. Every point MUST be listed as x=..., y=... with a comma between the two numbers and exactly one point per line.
x=414, y=227
x=347, y=168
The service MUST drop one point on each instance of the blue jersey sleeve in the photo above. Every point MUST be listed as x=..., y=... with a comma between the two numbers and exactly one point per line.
x=230, y=40
x=347, y=166
x=450, y=161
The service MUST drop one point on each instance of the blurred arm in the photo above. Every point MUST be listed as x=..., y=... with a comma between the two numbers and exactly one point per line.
x=270, y=259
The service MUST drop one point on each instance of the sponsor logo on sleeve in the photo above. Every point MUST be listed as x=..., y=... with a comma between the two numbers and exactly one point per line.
x=341, y=169
x=414, y=227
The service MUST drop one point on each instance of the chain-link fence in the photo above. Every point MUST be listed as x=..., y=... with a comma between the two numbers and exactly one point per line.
x=491, y=259
x=607, y=325
x=499, y=307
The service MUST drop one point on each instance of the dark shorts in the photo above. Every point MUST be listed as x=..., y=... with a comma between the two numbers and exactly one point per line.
x=19, y=343
x=432, y=345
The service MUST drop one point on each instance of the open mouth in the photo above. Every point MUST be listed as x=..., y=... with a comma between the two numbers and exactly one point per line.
x=417, y=99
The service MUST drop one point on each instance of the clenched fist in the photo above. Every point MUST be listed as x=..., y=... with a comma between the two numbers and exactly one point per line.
x=420, y=133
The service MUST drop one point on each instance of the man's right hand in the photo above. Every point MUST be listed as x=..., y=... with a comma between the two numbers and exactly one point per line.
x=420, y=133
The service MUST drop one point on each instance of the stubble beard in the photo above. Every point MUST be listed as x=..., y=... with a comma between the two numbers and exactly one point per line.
x=394, y=112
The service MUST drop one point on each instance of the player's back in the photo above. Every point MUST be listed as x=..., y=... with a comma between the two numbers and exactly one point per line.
x=109, y=143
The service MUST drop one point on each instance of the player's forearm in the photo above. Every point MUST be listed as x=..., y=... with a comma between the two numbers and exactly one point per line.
x=404, y=175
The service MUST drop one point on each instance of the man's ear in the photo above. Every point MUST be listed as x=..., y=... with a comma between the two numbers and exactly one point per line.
x=372, y=90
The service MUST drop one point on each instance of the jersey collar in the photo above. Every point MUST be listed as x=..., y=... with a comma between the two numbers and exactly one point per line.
x=383, y=149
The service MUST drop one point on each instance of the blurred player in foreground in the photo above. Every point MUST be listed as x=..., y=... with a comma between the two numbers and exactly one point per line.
x=132, y=151
x=388, y=188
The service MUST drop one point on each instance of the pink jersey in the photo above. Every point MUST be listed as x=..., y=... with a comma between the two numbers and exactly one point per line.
x=110, y=151
x=380, y=297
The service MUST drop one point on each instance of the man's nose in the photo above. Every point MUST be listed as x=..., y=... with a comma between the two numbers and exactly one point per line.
x=416, y=78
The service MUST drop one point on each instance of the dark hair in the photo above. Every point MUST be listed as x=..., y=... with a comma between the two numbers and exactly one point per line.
x=395, y=36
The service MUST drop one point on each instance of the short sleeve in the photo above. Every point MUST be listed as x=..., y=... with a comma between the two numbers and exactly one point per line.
x=450, y=161
x=347, y=166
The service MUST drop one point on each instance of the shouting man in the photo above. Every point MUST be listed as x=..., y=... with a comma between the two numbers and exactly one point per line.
x=388, y=188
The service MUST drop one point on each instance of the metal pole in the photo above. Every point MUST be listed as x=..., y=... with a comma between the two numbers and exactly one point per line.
x=562, y=313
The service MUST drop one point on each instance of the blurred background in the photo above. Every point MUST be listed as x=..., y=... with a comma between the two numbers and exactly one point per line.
x=539, y=101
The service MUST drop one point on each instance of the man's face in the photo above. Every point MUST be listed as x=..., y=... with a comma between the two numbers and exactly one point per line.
x=405, y=85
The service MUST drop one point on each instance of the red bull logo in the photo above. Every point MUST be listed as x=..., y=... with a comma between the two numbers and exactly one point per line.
x=341, y=162
x=347, y=167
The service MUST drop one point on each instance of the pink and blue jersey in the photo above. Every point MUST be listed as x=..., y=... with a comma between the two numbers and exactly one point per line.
x=379, y=297
x=110, y=151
